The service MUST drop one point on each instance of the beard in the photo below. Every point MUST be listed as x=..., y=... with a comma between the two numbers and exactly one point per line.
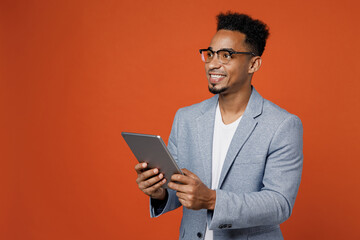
x=213, y=90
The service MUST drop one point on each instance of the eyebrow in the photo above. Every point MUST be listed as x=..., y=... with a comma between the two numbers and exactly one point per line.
x=221, y=49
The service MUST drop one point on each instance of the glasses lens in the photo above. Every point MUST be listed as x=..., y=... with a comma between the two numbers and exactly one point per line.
x=224, y=56
x=206, y=56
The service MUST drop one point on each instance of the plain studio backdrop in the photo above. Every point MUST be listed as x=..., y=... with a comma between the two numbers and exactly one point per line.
x=75, y=74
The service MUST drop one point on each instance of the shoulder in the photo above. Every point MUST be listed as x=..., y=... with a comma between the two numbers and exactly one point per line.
x=276, y=116
x=266, y=112
x=197, y=109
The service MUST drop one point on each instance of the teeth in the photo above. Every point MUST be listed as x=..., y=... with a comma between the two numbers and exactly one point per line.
x=216, y=76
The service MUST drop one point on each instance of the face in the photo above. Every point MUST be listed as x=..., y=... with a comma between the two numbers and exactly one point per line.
x=235, y=75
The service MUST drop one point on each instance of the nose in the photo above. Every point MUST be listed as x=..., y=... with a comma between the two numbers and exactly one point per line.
x=214, y=63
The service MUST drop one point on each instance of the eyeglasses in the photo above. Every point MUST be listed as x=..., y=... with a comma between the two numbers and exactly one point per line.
x=224, y=55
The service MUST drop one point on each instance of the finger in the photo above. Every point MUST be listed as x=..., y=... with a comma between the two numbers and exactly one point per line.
x=189, y=173
x=182, y=196
x=147, y=174
x=151, y=181
x=184, y=202
x=151, y=190
x=182, y=179
x=178, y=187
x=139, y=168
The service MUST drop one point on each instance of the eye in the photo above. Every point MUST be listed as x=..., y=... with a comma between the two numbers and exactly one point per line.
x=209, y=54
x=225, y=55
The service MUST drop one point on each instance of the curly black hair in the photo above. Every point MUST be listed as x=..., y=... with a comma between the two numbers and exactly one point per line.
x=256, y=31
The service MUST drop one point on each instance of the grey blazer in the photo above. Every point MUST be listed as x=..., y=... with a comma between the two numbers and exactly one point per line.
x=260, y=176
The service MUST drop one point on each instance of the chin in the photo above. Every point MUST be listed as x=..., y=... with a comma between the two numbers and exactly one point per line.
x=215, y=90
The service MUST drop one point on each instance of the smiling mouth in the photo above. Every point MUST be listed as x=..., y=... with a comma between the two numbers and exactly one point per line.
x=215, y=78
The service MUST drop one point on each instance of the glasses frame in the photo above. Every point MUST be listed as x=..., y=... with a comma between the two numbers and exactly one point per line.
x=230, y=51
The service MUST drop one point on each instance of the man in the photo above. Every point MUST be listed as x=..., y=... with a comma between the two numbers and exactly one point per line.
x=241, y=154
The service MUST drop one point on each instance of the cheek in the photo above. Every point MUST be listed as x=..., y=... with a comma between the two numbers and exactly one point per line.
x=206, y=71
x=240, y=71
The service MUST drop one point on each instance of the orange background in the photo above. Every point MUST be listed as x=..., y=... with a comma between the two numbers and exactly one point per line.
x=75, y=74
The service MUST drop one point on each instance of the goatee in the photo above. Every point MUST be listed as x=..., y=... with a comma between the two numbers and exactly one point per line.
x=213, y=90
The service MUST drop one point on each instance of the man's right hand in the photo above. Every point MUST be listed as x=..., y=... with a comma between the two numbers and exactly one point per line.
x=150, y=181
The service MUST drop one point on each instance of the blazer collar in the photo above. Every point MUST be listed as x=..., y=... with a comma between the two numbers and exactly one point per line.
x=205, y=125
x=254, y=107
x=205, y=130
x=255, y=104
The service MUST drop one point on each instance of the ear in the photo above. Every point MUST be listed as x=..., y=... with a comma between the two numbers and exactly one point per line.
x=255, y=64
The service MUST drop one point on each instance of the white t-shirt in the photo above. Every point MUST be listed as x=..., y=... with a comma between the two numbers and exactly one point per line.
x=223, y=135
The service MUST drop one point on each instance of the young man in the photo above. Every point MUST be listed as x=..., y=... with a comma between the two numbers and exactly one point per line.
x=242, y=154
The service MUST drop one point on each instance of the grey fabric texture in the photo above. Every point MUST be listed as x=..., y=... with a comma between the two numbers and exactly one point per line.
x=260, y=176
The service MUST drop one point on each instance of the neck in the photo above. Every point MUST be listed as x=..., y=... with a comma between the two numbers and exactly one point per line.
x=232, y=106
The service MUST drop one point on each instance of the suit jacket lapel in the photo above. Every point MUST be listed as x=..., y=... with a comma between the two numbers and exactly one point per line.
x=205, y=130
x=246, y=126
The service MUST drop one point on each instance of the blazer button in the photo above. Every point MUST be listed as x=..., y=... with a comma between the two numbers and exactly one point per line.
x=199, y=234
x=221, y=226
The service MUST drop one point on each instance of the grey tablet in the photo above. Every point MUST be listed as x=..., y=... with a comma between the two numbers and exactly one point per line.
x=152, y=149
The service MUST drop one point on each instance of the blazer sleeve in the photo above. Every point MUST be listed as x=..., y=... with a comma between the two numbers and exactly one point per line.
x=274, y=202
x=172, y=201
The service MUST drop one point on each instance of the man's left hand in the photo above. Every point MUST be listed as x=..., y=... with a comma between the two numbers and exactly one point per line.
x=192, y=192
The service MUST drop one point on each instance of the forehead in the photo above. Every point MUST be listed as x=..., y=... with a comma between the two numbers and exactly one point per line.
x=228, y=39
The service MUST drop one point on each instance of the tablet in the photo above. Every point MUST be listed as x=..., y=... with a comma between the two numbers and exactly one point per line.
x=152, y=149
